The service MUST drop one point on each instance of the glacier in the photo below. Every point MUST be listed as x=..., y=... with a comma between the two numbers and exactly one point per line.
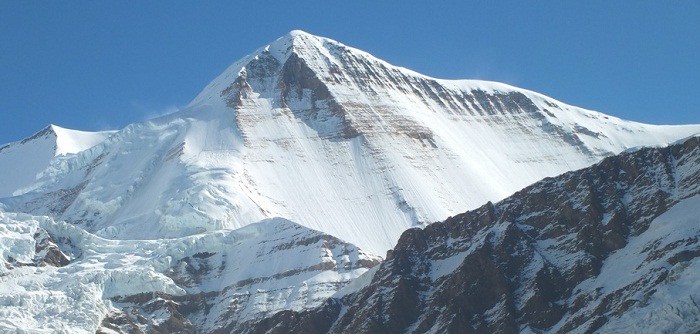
x=247, y=273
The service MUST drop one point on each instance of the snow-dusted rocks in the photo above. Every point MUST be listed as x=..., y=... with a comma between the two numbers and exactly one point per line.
x=332, y=138
x=55, y=277
x=611, y=248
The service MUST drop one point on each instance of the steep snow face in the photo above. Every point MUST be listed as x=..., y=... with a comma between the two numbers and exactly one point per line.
x=20, y=162
x=332, y=138
x=55, y=277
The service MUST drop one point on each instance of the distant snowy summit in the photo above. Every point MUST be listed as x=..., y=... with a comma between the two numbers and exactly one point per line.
x=21, y=162
x=328, y=136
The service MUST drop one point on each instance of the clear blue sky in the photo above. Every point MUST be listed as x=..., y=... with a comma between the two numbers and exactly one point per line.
x=105, y=64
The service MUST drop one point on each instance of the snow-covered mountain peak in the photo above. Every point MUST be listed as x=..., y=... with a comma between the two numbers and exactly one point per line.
x=22, y=161
x=294, y=170
x=342, y=92
x=296, y=41
x=65, y=141
x=269, y=57
x=330, y=137
x=325, y=58
x=70, y=141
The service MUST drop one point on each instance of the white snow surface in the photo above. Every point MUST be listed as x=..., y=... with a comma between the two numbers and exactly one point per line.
x=75, y=298
x=330, y=137
x=21, y=161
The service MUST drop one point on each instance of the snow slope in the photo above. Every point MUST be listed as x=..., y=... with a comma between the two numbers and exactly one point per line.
x=219, y=277
x=20, y=162
x=330, y=137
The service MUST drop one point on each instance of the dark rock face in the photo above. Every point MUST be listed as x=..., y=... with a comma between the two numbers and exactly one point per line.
x=292, y=85
x=138, y=314
x=521, y=264
x=47, y=253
